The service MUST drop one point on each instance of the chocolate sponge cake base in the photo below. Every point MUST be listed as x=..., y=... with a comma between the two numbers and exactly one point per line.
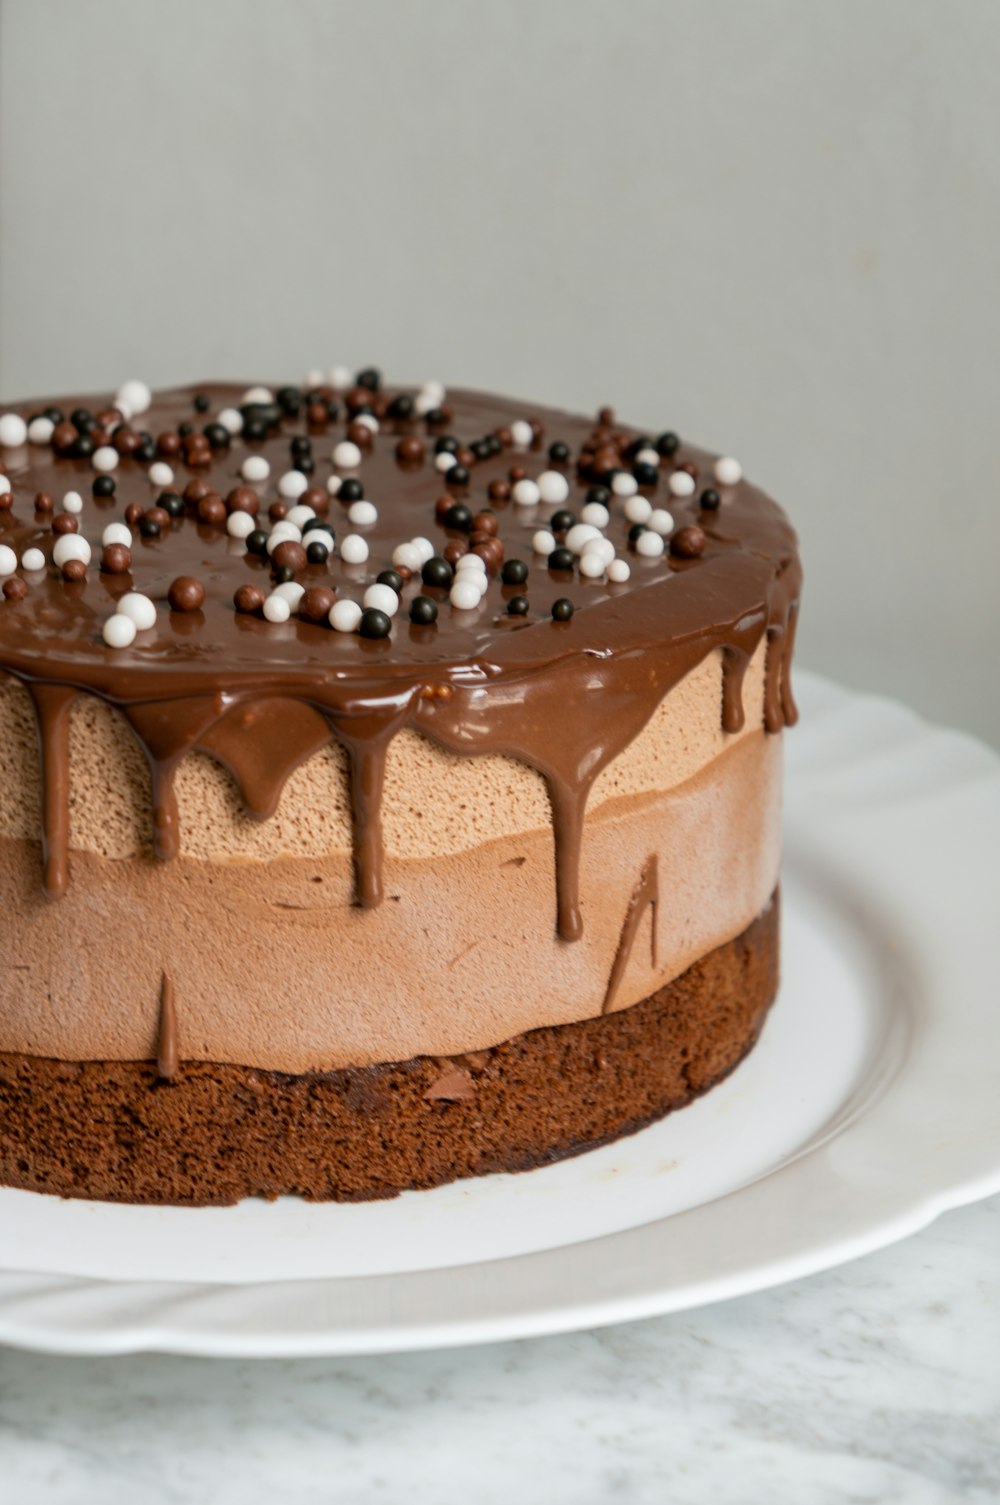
x=113, y=1131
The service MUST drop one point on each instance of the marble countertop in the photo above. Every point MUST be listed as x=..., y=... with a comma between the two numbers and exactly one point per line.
x=877, y=1382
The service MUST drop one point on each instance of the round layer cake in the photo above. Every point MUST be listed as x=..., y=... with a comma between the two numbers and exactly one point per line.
x=389, y=785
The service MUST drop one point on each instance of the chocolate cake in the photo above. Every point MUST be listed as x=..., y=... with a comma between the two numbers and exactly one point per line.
x=389, y=785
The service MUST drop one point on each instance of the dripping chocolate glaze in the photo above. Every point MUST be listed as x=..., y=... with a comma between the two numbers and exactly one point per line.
x=168, y=1055
x=566, y=698
x=646, y=895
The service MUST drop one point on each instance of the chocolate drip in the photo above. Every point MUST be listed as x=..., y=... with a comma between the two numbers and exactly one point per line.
x=646, y=895
x=565, y=698
x=168, y=1059
x=52, y=710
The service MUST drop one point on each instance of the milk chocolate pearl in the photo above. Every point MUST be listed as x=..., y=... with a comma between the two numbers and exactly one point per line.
x=168, y=445
x=133, y=512
x=109, y=417
x=160, y=516
x=454, y=549
x=64, y=436
x=478, y=535
x=490, y=552
x=186, y=594
x=361, y=435
x=606, y=417
x=126, y=441
x=688, y=542
x=410, y=450
x=212, y=509
x=196, y=489
x=15, y=589
x=277, y=511
x=504, y=435
x=243, y=499
x=498, y=490
x=290, y=555
x=516, y=473
x=316, y=498
x=65, y=522
x=116, y=559
x=465, y=456
x=315, y=604
x=690, y=467
x=249, y=599
x=6, y=500
x=44, y=502
x=74, y=569
x=485, y=521
x=317, y=415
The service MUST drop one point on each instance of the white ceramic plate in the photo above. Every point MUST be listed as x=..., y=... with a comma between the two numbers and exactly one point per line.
x=871, y=1104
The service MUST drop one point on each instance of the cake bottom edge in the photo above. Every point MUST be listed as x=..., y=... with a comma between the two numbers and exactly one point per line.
x=215, y=1134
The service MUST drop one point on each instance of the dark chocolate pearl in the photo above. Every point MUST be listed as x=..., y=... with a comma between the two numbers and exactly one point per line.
x=312, y=523
x=171, y=503
x=149, y=527
x=517, y=606
x=514, y=572
x=391, y=578
x=401, y=406
x=599, y=494
x=217, y=435
x=562, y=609
x=289, y=400
x=688, y=542
x=54, y=415
x=201, y=402
x=458, y=516
x=561, y=559
x=480, y=450
x=248, y=598
x=186, y=594
x=104, y=486
x=256, y=542
x=458, y=475
x=423, y=611
x=254, y=430
x=283, y=573
x=267, y=413
x=82, y=420
x=146, y=452
x=645, y=474
x=710, y=499
x=185, y=430
x=116, y=559
x=562, y=521
x=83, y=447
x=315, y=603
x=410, y=450
x=435, y=418
x=371, y=378
x=445, y=444
x=374, y=623
x=635, y=530
x=559, y=452
x=350, y=491
x=436, y=571
x=668, y=443
x=317, y=553
x=289, y=553
x=300, y=445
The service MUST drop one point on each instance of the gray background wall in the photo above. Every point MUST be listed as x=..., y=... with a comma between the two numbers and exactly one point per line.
x=771, y=224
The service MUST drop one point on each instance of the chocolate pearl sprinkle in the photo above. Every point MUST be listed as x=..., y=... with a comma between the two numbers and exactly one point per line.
x=44, y=502
x=6, y=500
x=73, y=570
x=249, y=599
x=14, y=588
x=688, y=542
x=289, y=555
x=133, y=512
x=186, y=594
x=65, y=522
x=316, y=603
x=116, y=559
x=243, y=499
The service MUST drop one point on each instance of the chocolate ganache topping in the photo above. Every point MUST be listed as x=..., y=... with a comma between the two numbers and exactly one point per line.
x=229, y=633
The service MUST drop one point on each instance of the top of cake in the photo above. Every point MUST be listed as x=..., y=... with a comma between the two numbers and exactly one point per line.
x=213, y=561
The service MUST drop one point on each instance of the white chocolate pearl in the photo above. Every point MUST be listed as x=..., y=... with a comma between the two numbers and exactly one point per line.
x=622, y=484
x=638, y=509
x=119, y=631
x=553, y=486
x=340, y=379
x=425, y=548
x=368, y=420
x=299, y=516
x=526, y=493
x=649, y=544
x=521, y=432
x=345, y=615
x=105, y=459
x=117, y=533
x=160, y=473
x=579, y=535
x=346, y=455
x=405, y=556
x=72, y=502
x=727, y=471
x=135, y=395
x=290, y=591
x=276, y=608
x=5, y=485
x=139, y=608
x=313, y=378
x=661, y=521
x=354, y=549
x=292, y=485
x=596, y=514
x=283, y=532
x=33, y=559
x=362, y=514
x=383, y=598
x=255, y=468
x=70, y=546
x=619, y=571
x=592, y=565
x=240, y=524
x=334, y=484
x=648, y=457
x=602, y=547
x=465, y=594
x=426, y=402
x=434, y=390
x=13, y=430
x=231, y=420
x=543, y=542
x=40, y=430
x=8, y=560
x=471, y=564
x=444, y=461
x=258, y=394
x=680, y=483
